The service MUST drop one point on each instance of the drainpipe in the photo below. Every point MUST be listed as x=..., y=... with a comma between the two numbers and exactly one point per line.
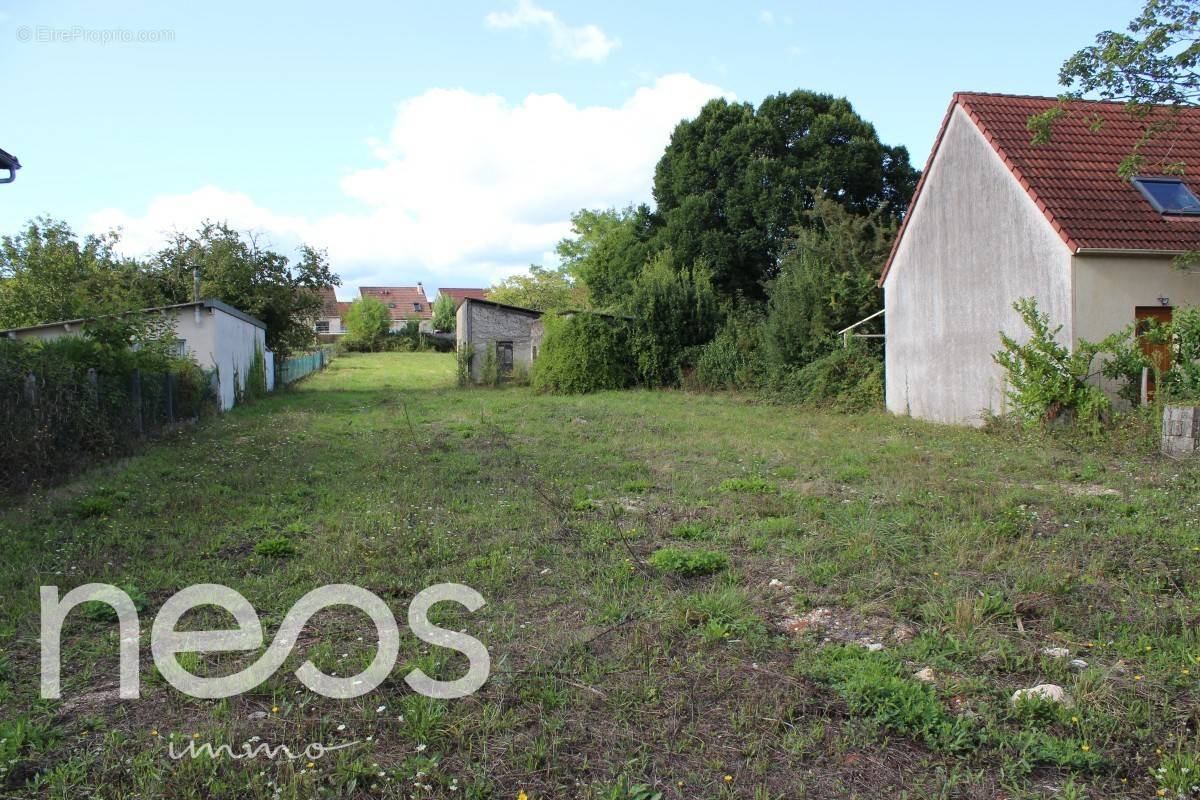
x=196, y=292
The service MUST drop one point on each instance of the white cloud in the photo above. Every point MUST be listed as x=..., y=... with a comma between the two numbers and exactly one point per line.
x=585, y=43
x=766, y=17
x=467, y=187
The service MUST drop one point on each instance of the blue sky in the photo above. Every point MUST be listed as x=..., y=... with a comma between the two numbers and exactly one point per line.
x=448, y=142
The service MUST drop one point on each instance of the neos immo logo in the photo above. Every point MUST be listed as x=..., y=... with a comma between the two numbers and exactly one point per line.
x=166, y=641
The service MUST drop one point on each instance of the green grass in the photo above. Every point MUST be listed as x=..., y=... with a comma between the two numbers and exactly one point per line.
x=612, y=678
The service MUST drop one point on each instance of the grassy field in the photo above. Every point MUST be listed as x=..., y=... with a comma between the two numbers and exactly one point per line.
x=679, y=590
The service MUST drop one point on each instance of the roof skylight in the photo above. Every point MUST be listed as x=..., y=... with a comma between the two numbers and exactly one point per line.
x=1168, y=195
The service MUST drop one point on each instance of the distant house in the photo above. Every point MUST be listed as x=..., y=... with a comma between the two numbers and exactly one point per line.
x=218, y=336
x=996, y=218
x=458, y=295
x=329, y=324
x=404, y=303
x=482, y=324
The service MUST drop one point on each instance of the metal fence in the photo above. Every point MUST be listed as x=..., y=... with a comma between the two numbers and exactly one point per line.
x=61, y=417
x=294, y=368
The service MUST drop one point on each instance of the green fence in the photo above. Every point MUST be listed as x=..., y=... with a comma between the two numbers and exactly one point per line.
x=294, y=368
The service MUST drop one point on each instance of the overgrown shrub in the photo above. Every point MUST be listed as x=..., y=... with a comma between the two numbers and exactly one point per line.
x=70, y=401
x=489, y=373
x=730, y=360
x=1046, y=379
x=674, y=311
x=847, y=379
x=462, y=364
x=582, y=353
x=256, y=376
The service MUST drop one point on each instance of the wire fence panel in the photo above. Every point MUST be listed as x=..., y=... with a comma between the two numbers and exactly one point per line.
x=64, y=417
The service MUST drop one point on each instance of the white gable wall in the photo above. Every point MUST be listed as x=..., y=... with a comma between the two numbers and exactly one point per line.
x=220, y=340
x=974, y=244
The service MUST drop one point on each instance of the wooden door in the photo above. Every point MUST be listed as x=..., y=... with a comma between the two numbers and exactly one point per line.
x=504, y=354
x=1157, y=352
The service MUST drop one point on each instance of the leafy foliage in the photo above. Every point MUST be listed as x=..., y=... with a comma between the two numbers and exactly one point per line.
x=846, y=379
x=367, y=322
x=542, y=290
x=1154, y=64
x=1046, y=380
x=688, y=563
x=827, y=282
x=735, y=180
x=582, y=353
x=673, y=311
x=48, y=274
x=237, y=269
x=443, y=313
x=462, y=364
x=607, y=251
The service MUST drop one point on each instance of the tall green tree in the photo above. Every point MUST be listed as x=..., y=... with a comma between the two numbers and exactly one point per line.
x=367, y=323
x=736, y=180
x=542, y=289
x=240, y=270
x=48, y=273
x=826, y=282
x=607, y=251
x=443, y=313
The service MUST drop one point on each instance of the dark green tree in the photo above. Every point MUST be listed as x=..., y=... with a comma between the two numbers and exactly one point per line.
x=673, y=310
x=237, y=269
x=735, y=181
x=826, y=282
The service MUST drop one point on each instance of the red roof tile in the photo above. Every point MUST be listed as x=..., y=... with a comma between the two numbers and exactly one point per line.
x=403, y=302
x=1073, y=178
x=329, y=301
x=462, y=294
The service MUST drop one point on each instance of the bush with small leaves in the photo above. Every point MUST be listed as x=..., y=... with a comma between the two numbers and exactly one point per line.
x=688, y=563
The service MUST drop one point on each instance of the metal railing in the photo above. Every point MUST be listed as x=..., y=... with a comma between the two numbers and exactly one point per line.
x=846, y=335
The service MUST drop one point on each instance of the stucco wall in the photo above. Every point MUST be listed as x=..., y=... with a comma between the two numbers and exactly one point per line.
x=212, y=337
x=1108, y=290
x=974, y=244
x=478, y=324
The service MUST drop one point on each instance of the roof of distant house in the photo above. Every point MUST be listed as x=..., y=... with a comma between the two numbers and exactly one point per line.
x=1073, y=178
x=403, y=302
x=458, y=295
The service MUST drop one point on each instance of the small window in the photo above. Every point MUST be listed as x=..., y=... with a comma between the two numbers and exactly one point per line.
x=1168, y=195
x=391, y=305
x=416, y=306
x=323, y=326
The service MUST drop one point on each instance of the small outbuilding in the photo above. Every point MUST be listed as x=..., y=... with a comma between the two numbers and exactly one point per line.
x=218, y=336
x=482, y=324
x=997, y=217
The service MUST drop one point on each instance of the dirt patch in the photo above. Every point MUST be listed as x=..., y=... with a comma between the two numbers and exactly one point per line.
x=847, y=627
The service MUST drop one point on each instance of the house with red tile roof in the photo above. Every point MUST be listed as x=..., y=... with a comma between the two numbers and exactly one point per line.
x=404, y=304
x=996, y=218
x=329, y=321
x=458, y=295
